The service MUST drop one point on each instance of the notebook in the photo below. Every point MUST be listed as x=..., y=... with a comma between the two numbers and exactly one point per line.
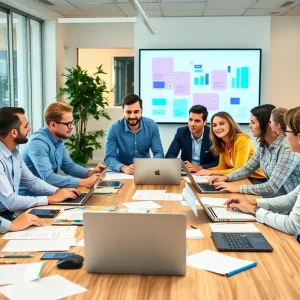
x=216, y=214
x=250, y=242
x=204, y=188
x=81, y=199
x=151, y=244
x=161, y=171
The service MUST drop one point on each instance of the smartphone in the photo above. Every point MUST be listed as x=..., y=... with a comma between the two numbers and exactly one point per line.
x=56, y=255
x=113, y=184
x=45, y=213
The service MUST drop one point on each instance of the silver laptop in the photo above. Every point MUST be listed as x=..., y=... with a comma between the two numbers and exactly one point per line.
x=157, y=171
x=128, y=243
x=204, y=188
x=216, y=214
x=81, y=199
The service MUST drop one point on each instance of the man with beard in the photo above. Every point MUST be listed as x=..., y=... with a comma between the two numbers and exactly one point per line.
x=193, y=142
x=45, y=153
x=131, y=137
x=14, y=128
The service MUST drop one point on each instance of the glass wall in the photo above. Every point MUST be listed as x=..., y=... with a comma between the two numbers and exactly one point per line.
x=21, y=61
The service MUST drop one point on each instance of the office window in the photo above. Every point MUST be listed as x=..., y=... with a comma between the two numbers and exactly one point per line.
x=21, y=61
x=4, y=79
x=124, y=78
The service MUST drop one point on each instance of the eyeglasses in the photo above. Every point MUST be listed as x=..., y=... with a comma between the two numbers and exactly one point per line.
x=68, y=124
x=285, y=131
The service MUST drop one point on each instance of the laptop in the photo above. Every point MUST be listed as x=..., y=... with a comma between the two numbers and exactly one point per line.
x=162, y=171
x=200, y=187
x=153, y=244
x=81, y=199
x=216, y=214
x=250, y=242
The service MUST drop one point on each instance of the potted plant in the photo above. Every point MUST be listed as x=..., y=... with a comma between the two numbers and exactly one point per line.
x=88, y=97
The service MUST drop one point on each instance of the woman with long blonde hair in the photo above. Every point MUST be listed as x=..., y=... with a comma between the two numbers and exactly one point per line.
x=234, y=147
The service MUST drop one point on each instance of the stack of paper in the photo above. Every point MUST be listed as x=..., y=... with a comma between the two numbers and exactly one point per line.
x=48, y=288
x=218, y=263
x=38, y=245
x=160, y=195
x=10, y=274
x=248, y=227
x=45, y=232
x=194, y=234
x=142, y=205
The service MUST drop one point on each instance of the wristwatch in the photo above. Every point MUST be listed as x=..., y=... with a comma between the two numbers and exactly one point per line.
x=256, y=208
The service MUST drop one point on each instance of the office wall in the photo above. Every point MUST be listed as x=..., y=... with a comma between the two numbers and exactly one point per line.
x=284, y=74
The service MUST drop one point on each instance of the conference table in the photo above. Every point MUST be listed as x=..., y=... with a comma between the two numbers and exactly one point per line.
x=276, y=276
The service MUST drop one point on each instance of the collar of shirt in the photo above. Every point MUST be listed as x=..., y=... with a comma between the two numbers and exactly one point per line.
x=126, y=128
x=51, y=137
x=276, y=143
x=6, y=151
x=197, y=141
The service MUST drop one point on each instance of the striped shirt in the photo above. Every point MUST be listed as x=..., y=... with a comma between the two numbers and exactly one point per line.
x=281, y=167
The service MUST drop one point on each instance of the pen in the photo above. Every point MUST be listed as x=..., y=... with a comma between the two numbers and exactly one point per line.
x=69, y=208
x=16, y=256
x=194, y=227
x=7, y=263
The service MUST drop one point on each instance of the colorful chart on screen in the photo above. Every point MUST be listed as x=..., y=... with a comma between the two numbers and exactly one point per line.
x=171, y=81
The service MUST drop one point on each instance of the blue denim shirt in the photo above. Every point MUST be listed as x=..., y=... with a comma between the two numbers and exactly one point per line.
x=45, y=157
x=122, y=145
x=13, y=172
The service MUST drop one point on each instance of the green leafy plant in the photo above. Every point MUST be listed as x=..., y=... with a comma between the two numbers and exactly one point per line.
x=88, y=97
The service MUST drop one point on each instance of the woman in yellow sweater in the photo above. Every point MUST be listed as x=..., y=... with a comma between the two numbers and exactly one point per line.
x=234, y=147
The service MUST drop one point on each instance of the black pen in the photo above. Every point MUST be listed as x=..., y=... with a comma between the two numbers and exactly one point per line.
x=194, y=227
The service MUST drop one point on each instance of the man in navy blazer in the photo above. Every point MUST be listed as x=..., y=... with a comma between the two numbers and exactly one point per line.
x=193, y=141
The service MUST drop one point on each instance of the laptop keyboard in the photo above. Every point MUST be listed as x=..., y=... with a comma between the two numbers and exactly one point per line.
x=77, y=200
x=207, y=187
x=237, y=241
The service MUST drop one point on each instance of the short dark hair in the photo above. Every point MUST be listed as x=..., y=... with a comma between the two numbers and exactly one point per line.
x=131, y=99
x=263, y=113
x=199, y=109
x=9, y=119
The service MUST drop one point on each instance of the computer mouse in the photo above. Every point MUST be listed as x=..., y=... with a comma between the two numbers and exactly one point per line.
x=71, y=262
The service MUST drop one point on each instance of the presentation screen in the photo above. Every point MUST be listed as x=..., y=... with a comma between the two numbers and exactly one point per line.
x=173, y=80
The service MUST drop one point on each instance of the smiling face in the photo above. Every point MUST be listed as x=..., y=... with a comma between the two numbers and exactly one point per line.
x=133, y=114
x=21, y=134
x=63, y=128
x=220, y=127
x=254, y=126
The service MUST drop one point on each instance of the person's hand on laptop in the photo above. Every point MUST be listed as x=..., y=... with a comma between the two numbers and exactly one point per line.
x=63, y=194
x=227, y=187
x=24, y=221
x=192, y=168
x=88, y=182
x=241, y=204
x=127, y=169
x=214, y=179
x=204, y=172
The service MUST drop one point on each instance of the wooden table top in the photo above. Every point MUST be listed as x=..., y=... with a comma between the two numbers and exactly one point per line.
x=276, y=276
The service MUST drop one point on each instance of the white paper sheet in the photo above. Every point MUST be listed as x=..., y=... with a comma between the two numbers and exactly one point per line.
x=216, y=262
x=198, y=179
x=79, y=243
x=10, y=274
x=142, y=205
x=117, y=176
x=45, y=232
x=47, y=288
x=184, y=203
x=248, y=227
x=38, y=245
x=105, y=191
x=211, y=201
x=160, y=195
x=194, y=234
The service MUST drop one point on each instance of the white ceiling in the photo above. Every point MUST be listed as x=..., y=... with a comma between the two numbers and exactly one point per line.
x=174, y=8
